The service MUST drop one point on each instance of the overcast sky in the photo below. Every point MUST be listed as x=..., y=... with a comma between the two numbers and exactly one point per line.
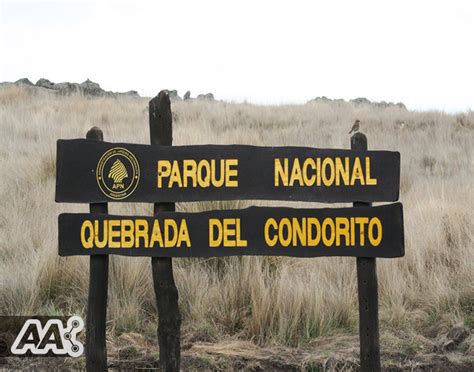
x=417, y=52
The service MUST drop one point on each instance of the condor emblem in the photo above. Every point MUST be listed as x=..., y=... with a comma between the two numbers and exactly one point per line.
x=118, y=173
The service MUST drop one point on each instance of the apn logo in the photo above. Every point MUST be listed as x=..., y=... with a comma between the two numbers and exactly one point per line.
x=118, y=173
x=53, y=337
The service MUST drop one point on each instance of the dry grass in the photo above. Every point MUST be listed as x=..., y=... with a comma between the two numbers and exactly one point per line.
x=277, y=300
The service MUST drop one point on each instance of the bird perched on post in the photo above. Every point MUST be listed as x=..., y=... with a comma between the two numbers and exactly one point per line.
x=355, y=127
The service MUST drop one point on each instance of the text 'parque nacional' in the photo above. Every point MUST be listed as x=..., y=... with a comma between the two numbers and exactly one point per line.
x=336, y=171
x=89, y=171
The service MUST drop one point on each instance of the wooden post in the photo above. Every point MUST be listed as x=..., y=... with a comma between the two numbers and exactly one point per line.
x=96, y=352
x=169, y=317
x=368, y=295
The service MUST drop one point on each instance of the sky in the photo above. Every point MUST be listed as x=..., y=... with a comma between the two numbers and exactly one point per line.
x=265, y=52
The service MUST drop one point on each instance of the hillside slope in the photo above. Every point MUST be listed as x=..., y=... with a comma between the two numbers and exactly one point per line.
x=292, y=304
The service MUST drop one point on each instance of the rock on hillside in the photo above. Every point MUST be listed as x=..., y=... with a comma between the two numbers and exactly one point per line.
x=45, y=83
x=361, y=101
x=87, y=88
x=24, y=81
x=173, y=94
x=206, y=97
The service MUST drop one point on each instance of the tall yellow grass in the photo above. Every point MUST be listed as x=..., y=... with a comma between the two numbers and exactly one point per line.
x=268, y=300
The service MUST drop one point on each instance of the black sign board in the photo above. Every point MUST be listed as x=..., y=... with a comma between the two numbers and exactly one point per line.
x=92, y=172
x=361, y=232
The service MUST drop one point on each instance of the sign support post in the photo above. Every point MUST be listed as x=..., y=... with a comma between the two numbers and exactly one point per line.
x=169, y=317
x=96, y=352
x=368, y=294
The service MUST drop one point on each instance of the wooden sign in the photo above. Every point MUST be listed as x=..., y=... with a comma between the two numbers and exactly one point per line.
x=361, y=232
x=95, y=172
x=92, y=172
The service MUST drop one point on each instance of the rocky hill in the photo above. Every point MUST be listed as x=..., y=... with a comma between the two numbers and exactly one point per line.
x=361, y=101
x=87, y=88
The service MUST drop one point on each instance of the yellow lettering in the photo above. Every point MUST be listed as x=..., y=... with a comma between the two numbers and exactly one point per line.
x=231, y=173
x=89, y=241
x=141, y=231
x=375, y=222
x=328, y=181
x=171, y=233
x=342, y=171
x=229, y=232
x=164, y=170
x=183, y=235
x=114, y=233
x=189, y=171
x=362, y=221
x=217, y=182
x=204, y=181
x=328, y=241
x=368, y=180
x=270, y=223
x=296, y=173
x=281, y=172
x=299, y=231
x=353, y=231
x=285, y=239
x=175, y=175
x=309, y=163
x=240, y=242
x=313, y=241
x=97, y=242
x=357, y=172
x=342, y=228
x=318, y=171
x=156, y=235
x=214, y=224
x=126, y=234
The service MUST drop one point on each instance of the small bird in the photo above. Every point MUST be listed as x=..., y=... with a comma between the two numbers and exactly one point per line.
x=355, y=127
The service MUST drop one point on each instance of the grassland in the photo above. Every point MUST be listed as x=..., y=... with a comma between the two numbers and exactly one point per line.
x=267, y=302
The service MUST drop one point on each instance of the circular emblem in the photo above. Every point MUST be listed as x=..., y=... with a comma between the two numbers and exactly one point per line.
x=118, y=173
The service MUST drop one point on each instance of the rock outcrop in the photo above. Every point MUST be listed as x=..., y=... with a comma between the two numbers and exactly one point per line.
x=87, y=88
x=173, y=94
x=360, y=101
x=206, y=97
x=45, y=83
x=24, y=81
